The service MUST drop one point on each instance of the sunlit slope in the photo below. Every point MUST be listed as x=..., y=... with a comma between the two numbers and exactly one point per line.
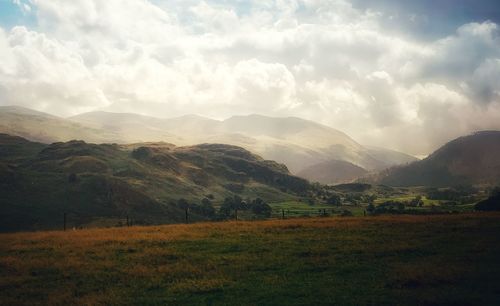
x=333, y=172
x=295, y=142
x=42, y=127
x=473, y=159
x=133, y=127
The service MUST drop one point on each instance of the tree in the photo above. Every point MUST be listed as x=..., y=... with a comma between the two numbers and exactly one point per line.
x=371, y=198
x=182, y=203
x=231, y=203
x=72, y=178
x=370, y=208
x=334, y=199
x=225, y=208
x=417, y=202
x=259, y=207
x=206, y=208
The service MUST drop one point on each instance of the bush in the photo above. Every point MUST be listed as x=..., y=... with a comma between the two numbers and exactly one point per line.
x=416, y=202
x=346, y=213
x=389, y=207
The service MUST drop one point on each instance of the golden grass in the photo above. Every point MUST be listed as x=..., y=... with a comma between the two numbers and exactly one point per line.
x=188, y=262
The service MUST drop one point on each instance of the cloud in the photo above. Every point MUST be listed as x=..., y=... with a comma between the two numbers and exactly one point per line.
x=327, y=61
x=23, y=6
x=41, y=73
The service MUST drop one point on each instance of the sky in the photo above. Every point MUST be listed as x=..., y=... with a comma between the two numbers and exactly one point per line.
x=406, y=75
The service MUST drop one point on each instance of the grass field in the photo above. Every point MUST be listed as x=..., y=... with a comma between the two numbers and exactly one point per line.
x=385, y=260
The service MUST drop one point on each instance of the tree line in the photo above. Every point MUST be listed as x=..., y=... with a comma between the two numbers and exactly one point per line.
x=229, y=208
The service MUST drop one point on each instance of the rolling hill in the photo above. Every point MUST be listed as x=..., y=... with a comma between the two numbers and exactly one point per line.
x=472, y=159
x=296, y=142
x=107, y=182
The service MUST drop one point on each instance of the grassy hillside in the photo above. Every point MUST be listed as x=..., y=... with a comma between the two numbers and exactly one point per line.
x=404, y=260
x=143, y=181
x=473, y=159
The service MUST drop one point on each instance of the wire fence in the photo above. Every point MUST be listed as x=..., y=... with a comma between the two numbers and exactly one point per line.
x=76, y=220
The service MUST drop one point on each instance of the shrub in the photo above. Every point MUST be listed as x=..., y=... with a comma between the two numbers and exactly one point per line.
x=346, y=213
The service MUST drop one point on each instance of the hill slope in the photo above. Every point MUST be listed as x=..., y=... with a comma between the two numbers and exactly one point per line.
x=473, y=159
x=333, y=172
x=42, y=127
x=296, y=142
x=91, y=181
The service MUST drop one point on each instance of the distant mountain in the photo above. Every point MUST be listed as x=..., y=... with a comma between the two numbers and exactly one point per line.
x=333, y=172
x=136, y=128
x=92, y=182
x=42, y=127
x=390, y=157
x=293, y=141
x=473, y=159
x=296, y=142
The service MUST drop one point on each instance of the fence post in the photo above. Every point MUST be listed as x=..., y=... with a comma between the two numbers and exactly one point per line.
x=64, y=226
x=128, y=224
x=236, y=214
x=187, y=215
x=283, y=214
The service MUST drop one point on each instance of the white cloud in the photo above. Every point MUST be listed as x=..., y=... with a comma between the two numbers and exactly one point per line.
x=322, y=60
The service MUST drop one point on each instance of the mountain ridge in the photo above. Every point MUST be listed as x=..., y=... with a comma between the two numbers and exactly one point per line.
x=297, y=142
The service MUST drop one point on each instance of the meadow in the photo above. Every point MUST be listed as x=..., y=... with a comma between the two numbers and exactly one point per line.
x=389, y=260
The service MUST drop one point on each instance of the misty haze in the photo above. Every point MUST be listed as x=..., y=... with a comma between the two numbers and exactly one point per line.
x=281, y=152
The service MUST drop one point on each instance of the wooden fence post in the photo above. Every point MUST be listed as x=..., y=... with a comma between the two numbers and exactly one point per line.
x=283, y=214
x=187, y=215
x=64, y=226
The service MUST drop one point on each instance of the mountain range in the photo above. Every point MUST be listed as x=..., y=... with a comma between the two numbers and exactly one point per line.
x=300, y=144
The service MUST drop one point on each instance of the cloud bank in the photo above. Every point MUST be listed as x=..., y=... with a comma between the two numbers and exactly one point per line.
x=328, y=61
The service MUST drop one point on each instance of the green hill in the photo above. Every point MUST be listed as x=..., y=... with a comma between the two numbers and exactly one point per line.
x=472, y=159
x=105, y=183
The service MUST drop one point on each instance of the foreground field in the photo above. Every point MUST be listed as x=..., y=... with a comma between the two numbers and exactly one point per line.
x=403, y=260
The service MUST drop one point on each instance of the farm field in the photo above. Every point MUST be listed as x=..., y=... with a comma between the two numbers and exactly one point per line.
x=399, y=260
